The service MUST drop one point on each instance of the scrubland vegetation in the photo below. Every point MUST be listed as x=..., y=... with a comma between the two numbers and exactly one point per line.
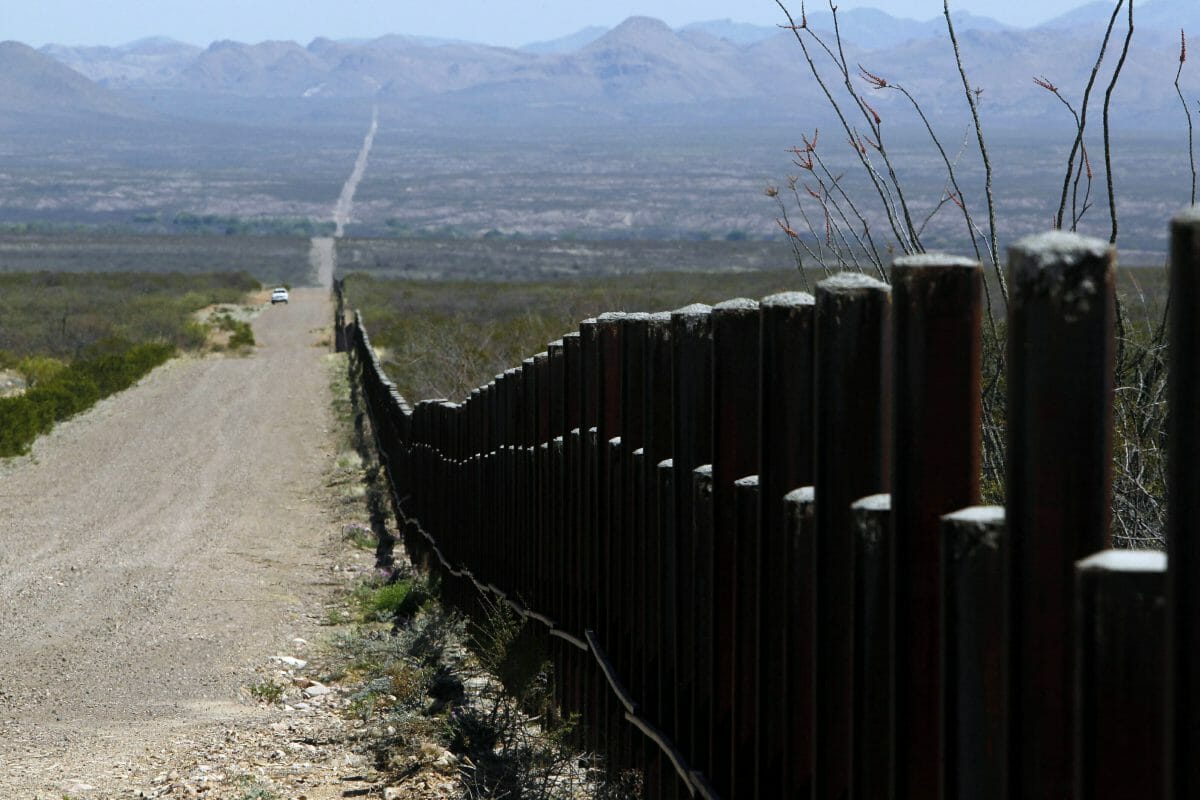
x=269, y=259
x=75, y=338
x=444, y=338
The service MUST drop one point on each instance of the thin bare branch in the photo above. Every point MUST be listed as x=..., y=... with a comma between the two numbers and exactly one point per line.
x=882, y=189
x=973, y=103
x=1187, y=112
x=1112, y=84
x=1087, y=93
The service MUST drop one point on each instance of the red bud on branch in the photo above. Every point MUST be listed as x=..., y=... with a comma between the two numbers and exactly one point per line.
x=872, y=78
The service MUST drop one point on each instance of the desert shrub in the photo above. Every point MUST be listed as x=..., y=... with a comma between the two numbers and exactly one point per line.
x=242, y=336
x=19, y=424
x=266, y=691
x=39, y=369
x=399, y=600
x=192, y=336
x=61, y=315
x=108, y=369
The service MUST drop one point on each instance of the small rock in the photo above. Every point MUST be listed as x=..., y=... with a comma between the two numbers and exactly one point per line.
x=393, y=793
x=316, y=690
x=294, y=663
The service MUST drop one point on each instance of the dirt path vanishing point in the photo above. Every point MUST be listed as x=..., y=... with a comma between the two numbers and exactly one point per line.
x=322, y=255
x=154, y=550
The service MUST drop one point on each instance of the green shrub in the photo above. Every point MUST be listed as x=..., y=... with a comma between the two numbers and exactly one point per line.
x=19, y=425
x=266, y=691
x=242, y=336
x=63, y=314
x=192, y=336
x=108, y=368
x=39, y=369
x=396, y=600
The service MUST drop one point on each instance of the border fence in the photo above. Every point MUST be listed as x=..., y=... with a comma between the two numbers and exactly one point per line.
x=750, y=536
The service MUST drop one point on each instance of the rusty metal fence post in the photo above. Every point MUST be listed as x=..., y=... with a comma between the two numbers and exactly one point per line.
x=853, y=412
x=1183, y=476
x=785, y=463
x=937, y=308
x=630, y=545
x=721, y=722
x=691, y=341
x=703, y=535
x=658, y=608
x=1060, y=382
x=872, y=520
x=744, y=601
x=1120, y=675
x=800, y=658
x=973, y=654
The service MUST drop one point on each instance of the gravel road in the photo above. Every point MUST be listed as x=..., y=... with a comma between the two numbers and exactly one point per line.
x=155, y=549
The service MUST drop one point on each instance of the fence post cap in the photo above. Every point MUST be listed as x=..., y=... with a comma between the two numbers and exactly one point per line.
x=748, y=482
x=850, y=282
x=805, y=494
x=667, y=463
x=934, y=261
x=1124, y=561
x=1058, y=247
x=703, y=469
x=874, y=502
x=976, y=515
x=787, y=300
x=693, y=310
x=1187, y=216
x=736, y=304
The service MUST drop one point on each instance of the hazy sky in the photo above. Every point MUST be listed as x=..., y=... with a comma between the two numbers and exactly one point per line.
x=511, y=22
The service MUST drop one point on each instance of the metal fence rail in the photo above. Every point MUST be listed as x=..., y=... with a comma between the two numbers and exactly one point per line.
x=750, y=537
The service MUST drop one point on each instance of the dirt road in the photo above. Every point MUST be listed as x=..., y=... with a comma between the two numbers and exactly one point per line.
x=157, y=548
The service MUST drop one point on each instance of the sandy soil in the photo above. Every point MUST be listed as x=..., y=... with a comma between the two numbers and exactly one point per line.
x=154, y=553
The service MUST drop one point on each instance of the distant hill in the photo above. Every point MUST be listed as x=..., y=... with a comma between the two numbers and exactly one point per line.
x=1162, y=15
x=711, y=72
x=735, y=32
x=873, y=29
x=567, y=44
x=145, y=61
x=36, y=89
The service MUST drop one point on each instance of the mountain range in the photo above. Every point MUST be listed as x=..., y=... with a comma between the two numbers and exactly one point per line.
x=717, y=71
